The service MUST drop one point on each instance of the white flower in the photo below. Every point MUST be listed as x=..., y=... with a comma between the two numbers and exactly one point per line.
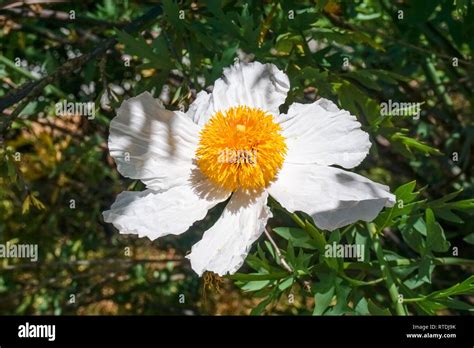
x=234, y=143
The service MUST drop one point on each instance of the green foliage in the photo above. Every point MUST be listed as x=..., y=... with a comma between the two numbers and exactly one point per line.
x=417, y=254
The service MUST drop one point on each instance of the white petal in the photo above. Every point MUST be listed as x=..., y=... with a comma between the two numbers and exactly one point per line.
x=199, y=111
x=321, y=133
x=155, y=214
x=254, y=84
x=224, y=247
x=332, y=196
x=151, y=143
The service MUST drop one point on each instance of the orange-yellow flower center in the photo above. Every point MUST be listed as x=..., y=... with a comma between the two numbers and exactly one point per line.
x=241, y=147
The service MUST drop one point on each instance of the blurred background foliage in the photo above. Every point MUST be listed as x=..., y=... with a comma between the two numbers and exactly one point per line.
x=57, y=176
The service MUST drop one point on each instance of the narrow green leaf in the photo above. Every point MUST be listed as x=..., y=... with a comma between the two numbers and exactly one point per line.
x=376, y=310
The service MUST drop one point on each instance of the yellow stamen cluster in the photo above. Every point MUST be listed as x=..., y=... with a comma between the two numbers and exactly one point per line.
x=241, y=147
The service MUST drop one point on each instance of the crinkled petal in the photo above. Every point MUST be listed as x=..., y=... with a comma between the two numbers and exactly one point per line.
x=321, y=133
x=153, y=144
x=200, y=110
x=254, y=84
x=156, y=214
x=332, y=196
x=224, y=247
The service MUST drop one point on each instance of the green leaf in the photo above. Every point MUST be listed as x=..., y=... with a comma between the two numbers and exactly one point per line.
x=448, y=215
x=455, y=304
x=290, y=253
x=257, y=263
x=435, y=238
x=286, y=42
x=286, y=283
x=218, y=65
x=362, y=238
x=466, y=205
x=469, y=238
x=363, y=77
x=438, y=203
x=352, y=98
x=420, y=226
x=362, y=307
x=270, y=248
x=464, y=288
x=255, y=285
x=323, y=293
x=333, y=262
x=413, y=144
x=171, y=11
x=136, y=46
x=317, y=235
x=257, y=276
x=261, y=306
x=426, y=269
x=300, y=238
x=342, y=294
x=412, y=235
x=376, y=310
x=404, y=205
x=406, y=193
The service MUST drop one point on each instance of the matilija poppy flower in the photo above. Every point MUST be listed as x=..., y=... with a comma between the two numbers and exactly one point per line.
x=234, y=143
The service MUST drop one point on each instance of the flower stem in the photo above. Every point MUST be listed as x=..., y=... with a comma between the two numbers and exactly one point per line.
x=281, y=258
x=357, y=282
x=414, y=299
